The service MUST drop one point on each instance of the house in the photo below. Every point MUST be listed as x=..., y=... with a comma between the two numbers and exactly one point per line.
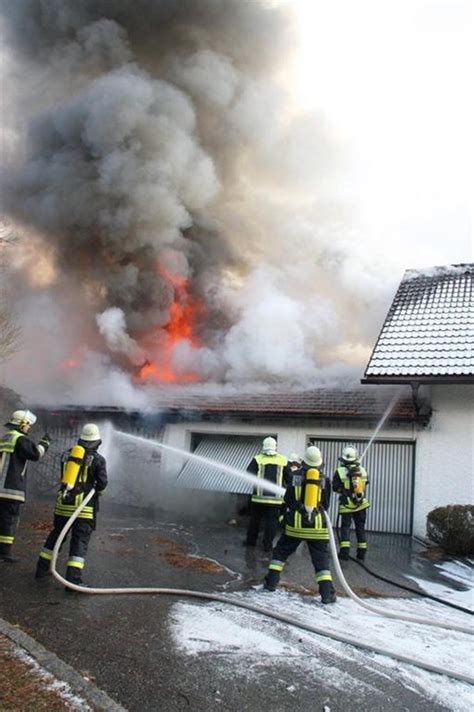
x=427, y=343
x=421, y=394
x=230, y=428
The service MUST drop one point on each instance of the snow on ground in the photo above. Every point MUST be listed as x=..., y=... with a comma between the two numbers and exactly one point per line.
x=458, y=573
x=76, y=703
x=238, y=638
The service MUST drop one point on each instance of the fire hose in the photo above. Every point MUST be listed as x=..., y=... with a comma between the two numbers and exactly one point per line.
x=340, y=637
x=403, y=587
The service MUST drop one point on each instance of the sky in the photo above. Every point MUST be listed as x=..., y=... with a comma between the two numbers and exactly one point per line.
x=235, y=204
x=394, y=78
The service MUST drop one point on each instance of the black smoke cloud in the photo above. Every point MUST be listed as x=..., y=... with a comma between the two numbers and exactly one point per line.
x=155, y=141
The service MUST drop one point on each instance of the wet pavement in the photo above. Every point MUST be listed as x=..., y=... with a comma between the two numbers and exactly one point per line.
x=125, y=645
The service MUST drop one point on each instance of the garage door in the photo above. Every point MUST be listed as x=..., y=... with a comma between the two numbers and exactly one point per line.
x=234, y=450
x=390, y=467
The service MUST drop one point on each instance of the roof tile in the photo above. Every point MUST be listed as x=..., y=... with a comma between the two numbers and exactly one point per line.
x=429, y=329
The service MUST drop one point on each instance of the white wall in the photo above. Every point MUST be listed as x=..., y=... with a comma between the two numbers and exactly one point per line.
x=291, y=438
x=444, y=453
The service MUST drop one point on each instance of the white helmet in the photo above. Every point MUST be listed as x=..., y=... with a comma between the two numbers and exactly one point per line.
x=90, y=432
x=294, y=457
x=313, y=457
x=23, y=417
x=349, y=454
x=269, y=446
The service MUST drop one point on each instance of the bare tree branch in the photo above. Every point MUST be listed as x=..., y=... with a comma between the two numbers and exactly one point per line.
x=9, y=329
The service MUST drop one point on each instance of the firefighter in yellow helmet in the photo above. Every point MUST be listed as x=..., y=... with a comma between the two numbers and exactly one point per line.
x=350, y=481
x=82, y=468
x=16, y=449
x=306, y=496
x=265, y=506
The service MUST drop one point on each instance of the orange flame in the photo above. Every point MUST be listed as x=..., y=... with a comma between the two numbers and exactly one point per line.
x=183, y=314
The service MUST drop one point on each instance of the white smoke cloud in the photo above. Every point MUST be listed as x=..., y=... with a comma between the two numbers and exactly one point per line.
x=112, y=326
x=166, y=169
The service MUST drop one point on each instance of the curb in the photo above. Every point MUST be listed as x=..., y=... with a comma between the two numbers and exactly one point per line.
x=97, y=698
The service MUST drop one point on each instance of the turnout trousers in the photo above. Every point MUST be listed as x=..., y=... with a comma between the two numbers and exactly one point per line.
x=9, y=518
x=268, y=514
x=359, y=523
x=80, y=533
x=319, y=553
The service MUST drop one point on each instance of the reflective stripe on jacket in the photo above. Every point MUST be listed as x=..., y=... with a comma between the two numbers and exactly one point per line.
x=92, y=474
x=269, y=467
x=347, y=504
x=12, y=470
x=300, y=524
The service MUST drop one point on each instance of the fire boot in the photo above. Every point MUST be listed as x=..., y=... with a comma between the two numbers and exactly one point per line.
x=271, y=580
x=343, y=555
x=6, y=554
x=42, y=568
x=328, y=594
x=361, y=554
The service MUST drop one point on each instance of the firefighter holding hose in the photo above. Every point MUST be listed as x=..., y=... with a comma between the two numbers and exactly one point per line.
x=306, y=496
x=16, y=449
x=82, y=468
x=350, y=481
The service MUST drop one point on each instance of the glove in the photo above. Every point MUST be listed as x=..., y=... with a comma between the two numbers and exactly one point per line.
x=45, y=441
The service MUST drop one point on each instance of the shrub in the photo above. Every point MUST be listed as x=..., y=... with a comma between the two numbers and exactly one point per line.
x=452, y=528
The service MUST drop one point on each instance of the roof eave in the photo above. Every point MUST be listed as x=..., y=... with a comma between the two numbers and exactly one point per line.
x=417, y=379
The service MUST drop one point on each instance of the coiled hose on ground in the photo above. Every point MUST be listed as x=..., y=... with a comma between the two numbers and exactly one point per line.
x=404, y=587
x=341, y=637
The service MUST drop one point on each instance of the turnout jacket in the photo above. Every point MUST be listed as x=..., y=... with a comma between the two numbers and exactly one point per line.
x=272, y=468
x=297, y=521
x=343, y=484
x=15, y=451
x=92, y=475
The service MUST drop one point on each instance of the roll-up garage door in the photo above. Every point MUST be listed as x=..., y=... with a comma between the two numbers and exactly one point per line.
x=234, y=450
x=390, y=468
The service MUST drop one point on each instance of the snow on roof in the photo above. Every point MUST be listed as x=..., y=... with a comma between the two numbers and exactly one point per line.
x=429, y=329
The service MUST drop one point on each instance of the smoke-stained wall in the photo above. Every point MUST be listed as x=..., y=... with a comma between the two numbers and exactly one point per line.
x=181, y=217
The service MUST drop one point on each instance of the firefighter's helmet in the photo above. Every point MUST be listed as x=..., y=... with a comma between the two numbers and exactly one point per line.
x=313, y=457
x=90, y=432
x=349, y=454
x=269, y=446
x=22, y=417
x=294, y=457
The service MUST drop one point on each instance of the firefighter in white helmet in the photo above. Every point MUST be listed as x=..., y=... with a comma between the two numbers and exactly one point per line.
x=15, y=451
x=82, y=468
x=350, y=481
x=307, y=495
x=265, y=506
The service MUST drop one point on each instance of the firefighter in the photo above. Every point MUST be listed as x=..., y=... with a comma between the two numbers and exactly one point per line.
x=89, y=471
x=265, y=506
x=305, y=498
x=350, y=481
x=15, y=451
x=293, y=467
